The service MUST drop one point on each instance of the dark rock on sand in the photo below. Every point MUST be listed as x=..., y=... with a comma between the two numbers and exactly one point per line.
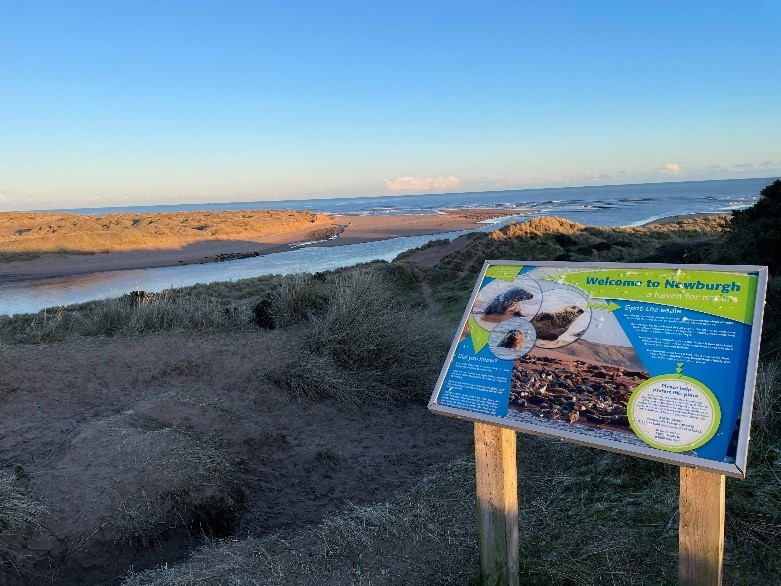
x=550, y=326
x=508, y=302
x=512, y=339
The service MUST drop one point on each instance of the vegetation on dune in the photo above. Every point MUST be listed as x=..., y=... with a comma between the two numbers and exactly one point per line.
x=756, y=231
x=27, y=233
x=545, y=238
x=587, y=518
x=134, y=314
x=755, y=238
x=353, y=340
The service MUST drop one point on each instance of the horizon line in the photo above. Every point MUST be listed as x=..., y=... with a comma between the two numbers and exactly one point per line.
x=108, y=209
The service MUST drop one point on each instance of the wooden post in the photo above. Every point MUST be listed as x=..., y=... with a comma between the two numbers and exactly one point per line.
x=497, y=504
x=701, y=528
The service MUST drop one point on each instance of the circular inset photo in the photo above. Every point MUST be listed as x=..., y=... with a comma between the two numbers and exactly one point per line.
x=502, y=300
x=563, y=318
x=512, y=338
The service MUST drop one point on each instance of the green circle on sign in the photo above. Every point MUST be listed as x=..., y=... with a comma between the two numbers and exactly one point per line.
x=652, y=382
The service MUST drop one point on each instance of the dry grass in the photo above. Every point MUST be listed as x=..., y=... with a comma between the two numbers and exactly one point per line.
x=20, y=516
x=296, y=298
x=168, y=311
x=156, y=480
x=767, y=397
x=360, y=345
x=372, y=544
x=25, y=233
x=587, y=518
x=537, y=227
x=185, y=482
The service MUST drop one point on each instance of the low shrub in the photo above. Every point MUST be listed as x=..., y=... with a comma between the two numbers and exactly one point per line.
x=296, y=298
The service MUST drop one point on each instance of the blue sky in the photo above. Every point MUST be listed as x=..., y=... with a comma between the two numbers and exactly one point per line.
x=106, y=103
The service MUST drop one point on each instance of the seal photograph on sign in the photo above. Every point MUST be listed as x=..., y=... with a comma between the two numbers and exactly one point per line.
x=501, y=300
x=563, y=318
x=512, y=339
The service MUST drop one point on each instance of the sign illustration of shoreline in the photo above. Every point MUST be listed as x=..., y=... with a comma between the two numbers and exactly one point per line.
x=658, y=361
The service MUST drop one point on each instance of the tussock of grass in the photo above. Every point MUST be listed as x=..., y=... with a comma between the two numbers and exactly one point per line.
x=199, y=490
x=767, y=398
x=20, y=517
x=296, y=298
x=363, y=346
x=168, y=480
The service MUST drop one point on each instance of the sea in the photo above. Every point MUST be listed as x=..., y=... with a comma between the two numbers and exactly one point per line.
x=610, y=205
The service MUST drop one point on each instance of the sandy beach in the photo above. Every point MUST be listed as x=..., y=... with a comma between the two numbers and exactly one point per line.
x=351, y=229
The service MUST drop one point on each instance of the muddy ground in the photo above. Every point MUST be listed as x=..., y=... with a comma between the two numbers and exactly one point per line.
x=136, y=447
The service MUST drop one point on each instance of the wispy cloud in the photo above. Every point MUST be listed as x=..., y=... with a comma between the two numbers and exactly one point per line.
x=4, y=198
x=745, y=166
x=671, y=169
x=422, y=183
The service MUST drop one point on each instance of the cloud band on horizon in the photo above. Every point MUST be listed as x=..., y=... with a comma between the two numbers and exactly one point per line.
x=422, y=183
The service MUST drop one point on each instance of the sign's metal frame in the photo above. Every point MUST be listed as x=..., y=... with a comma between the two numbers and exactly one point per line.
x=737, y=470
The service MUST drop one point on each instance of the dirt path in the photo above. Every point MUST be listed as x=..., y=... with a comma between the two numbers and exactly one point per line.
x=434, y=306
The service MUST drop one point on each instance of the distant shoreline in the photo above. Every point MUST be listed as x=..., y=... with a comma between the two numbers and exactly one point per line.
x=347, y=229
x=682, y=217
x=316, y=204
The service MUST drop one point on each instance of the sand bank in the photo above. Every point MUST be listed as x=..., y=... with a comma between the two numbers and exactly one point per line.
x=351, y=229
x=682, y=217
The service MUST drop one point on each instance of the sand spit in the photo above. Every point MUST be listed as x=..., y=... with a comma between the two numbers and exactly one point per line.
x=43, y=245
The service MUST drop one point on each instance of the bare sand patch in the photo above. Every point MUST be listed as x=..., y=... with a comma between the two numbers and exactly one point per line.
x=99, y=425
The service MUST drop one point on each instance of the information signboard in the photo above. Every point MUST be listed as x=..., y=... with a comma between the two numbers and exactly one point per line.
x=657, y=361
